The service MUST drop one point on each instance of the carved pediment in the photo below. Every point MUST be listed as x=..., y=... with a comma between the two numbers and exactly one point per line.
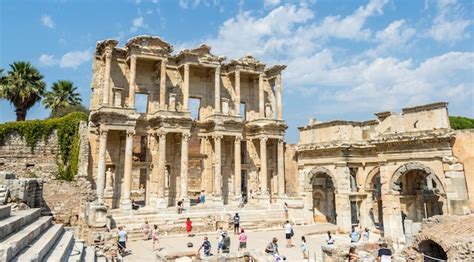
x=152, y=43
x=202, y=53
x=102, y=45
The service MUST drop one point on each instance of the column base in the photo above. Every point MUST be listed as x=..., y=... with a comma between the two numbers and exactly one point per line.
x=187, y=203
x=126, y=204
x=159, y=202
x=216, y=201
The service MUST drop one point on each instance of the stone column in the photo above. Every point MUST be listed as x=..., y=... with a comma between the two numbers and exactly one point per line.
x=106, y=86
x=391, y=209
x=217, y=90
x=163, y=84
x=281, y=168
x=217, y=167
x=127, y=171
x=343, y=212
x=278, y=97
x=237, y=167
x=237, y=92
x=186, y=88
x=261, y=97
x=161, y=165
x=184, y=165
x=263, y=166
x=101, y=166
x=131, y=88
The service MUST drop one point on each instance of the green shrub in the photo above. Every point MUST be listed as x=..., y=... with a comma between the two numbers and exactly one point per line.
x=460, y=122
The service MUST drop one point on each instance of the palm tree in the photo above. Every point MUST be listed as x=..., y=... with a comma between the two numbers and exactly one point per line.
x=23, y=86
x=63, y=94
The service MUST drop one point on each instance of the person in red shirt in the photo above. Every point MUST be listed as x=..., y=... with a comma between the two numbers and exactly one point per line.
x=189, y=226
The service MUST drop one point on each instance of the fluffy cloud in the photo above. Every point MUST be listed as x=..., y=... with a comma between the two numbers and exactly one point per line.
x=71, y=59
x=394, y=37
x=137, y=23
x=270, y=3
x=449, y=25
x=47, y=21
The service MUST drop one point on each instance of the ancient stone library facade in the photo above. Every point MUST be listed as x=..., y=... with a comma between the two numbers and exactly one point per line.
x=163, y=127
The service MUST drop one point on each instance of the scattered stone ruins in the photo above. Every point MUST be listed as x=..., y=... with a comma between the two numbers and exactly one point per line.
x=148, y=145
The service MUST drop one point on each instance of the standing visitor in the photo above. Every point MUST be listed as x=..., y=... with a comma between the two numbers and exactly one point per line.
x=236, y=223
x=180, y=206
x=384, y=254
x=154, y=236
x=202, y=197
x=146, y=230
x=366, y=235
x=354, y=235
x=121, y=240
x=329, y=239
x=189, y=226
x=288, y=233
x=220, y=241
x=304, y=248
x=206, y=245
x=272, y=247
x=242, y=240
x=352, y=256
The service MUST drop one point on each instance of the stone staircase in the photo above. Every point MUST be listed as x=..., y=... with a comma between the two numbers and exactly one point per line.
x=204, y=218
x=3, y=194
x=27, y=236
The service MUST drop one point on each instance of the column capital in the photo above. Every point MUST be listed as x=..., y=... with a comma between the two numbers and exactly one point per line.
x=162, y=135
x=185, y=136
x=164, y=60
x=103, y=132
x=186, y=66
x=238, y=139
x=217, y=137
x=108, y=53
x=130, y=132
x=218, y=69
x=281, y=141
x=263, y=139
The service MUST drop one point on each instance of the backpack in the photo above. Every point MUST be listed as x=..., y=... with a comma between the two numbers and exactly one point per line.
x=292, y=232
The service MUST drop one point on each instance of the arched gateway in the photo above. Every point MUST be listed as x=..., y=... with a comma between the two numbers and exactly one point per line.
x=323, y=193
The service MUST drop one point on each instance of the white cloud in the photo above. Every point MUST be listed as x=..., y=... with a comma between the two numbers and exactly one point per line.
x=270, y=3
x=71, y=59
x=47, y=60
x=137, y=23
x=47, y=21
x=449, y=25
x=75, y=58
x=394, y=37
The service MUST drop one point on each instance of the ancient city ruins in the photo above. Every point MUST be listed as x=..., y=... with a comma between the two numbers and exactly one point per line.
x=168, y=125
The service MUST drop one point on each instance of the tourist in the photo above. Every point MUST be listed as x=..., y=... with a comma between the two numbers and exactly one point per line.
x=189, y=226
x=352, y=256
x=288, y=233
x=272, y=247
x=285, y=207
x=135, y=206
x=180, y=206
x=384, y=254
x=241, y=200
x=146, y=230
x=121, y=240
x=220, y=240
x=202, y=197
x=207, y=247
x=354, y=235
x=236, y=223
x=366, y=235
x=154, y=236
x=329, y=239
x=242, y=240
x=304, y=248
x=225, y=242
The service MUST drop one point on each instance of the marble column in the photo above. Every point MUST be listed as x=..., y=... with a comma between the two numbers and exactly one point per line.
x=127, y=171
x=278, y=98
x=237, y=92
x=217, y=90
x=161, y=165
x=186, y=88
x=163, y=84
x=106, y=86
x=263, y=165
x=101, y=166
x=217, y=167
x=131, y=87
x=281, y=168
x=237, y=167
x=261, y=97
x=184, y=165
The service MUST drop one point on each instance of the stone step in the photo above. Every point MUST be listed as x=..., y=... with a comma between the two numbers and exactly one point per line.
x=62, y=249
x=89, y=254
x=78, y=252
x=5, y=211
x=17, y=220
x=42, y=245
x=13, y=244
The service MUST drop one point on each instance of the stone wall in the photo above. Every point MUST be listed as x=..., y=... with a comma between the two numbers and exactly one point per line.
x=23, y=190
x=463, y=150
x=291, y=170
x=22, y=160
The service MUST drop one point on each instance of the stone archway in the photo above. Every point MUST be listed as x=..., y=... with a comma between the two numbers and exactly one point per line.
x=432, y=251
x=373, y=186
x=323, y=195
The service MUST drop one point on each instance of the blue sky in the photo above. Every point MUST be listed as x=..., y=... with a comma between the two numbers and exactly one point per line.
x=346, y=59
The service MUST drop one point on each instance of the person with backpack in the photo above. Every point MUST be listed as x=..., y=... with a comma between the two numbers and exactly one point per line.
x=236, y=223
x=272, y=247
x=220, y=240
x=122, y=237
x=206, y=245
x=289, y=233
x=226, y=243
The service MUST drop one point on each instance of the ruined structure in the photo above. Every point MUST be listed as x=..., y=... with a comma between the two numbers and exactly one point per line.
x=389, y=173
x=165, y=126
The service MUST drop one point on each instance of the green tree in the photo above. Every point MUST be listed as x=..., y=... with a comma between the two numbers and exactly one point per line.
x=67, y=110
x=63, y=94
x=23, y=86
x=459, y=122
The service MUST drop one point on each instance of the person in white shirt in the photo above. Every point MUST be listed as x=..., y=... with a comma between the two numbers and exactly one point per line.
x=288, y=233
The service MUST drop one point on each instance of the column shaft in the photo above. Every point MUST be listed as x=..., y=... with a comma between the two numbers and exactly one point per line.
x=127, y=170
x=263, y=165
x=261, y=98
x=184, y=165
x=237, y=92
x=281, y=168
x=131, y=88
x=217, y=167
x=106, y=86
x=278, y=97
x=163, y=85
x=237, y=167
x=101, y=166
x=186, y=88
x=217, y=90
x=161, y=165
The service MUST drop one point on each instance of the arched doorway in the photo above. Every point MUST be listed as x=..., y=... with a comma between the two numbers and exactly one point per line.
x=421, y=192
x=431, y=251
x=324, y=207
x=376, y=212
